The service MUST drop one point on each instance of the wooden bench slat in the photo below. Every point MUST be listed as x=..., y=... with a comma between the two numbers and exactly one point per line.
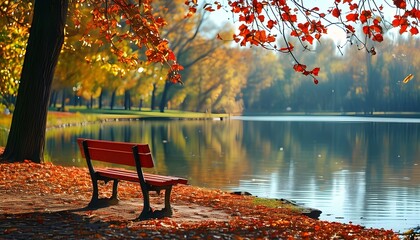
x=112, y=156
x=132, y=176
x=114, y=175
x=175, y=179
x=109, y=146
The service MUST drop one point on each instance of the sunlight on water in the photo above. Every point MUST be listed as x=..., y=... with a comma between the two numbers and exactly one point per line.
x=326, y=119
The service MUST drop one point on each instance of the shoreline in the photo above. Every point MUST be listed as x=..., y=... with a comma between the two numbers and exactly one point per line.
x=40, y=193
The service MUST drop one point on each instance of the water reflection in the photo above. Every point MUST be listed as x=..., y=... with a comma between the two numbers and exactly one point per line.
x=364, y=172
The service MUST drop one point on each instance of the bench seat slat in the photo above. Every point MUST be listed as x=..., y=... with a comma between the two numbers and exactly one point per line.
x=132, y=176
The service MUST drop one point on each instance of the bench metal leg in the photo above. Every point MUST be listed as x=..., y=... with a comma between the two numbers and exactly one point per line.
x=97, y=202
x=148, y=212
x=93, y=202
x=168, y=209
x=114, y=197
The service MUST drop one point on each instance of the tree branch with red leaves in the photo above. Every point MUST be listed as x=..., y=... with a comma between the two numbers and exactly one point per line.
x=274, y=24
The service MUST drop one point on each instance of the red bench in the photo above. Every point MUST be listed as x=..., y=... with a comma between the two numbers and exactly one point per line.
x=130, y=154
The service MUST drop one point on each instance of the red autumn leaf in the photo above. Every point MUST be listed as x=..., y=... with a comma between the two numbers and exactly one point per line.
x=295, y=33
x=271, y=38
x=289, y=17
x=414, y=31
x=353, y=6
x=299, y=67
x=287, y=49
x=376, y=28
x=365, y=15
x=209, y=9
x=160, y=21
x=258, y=7
x=271, y=23
x=378, y=37
x=336, y=12
x=304, y=27
x=315, y=71
x=352, y=17
x=350, y=29
x=171, y=56
x=366, y=30
x=400, y=4
x=308, y=38
x=403, y=28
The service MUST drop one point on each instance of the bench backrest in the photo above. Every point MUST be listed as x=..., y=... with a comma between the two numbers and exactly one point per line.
x=117, y=152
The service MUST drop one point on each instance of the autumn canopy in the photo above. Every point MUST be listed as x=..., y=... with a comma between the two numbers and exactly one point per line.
x=272, y=24
x=132, y=31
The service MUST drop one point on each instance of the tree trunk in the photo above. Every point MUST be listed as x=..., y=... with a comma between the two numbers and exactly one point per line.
x=53, y=98
x=27, y=132
x=63, y=101
x=140, y=104
x=91, y=102
x=164, y=99
x=100, y=99
x=112, y=103
x=127, y=100
x=153, y=103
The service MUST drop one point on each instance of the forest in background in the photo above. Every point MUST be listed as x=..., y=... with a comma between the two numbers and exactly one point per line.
x=220, y=77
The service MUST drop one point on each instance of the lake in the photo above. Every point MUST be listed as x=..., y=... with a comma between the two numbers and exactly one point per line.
x=354, y=169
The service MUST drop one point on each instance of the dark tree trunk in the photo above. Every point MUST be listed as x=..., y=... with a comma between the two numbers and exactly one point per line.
x=27, y=132
x=91, y=102
x=153, y=103
x=127, y=100
x=63, y=101
x=100, y=99
x=164, y=99
x=53, y=98
x=140, y=104
x=113, y=99
x=75, y=97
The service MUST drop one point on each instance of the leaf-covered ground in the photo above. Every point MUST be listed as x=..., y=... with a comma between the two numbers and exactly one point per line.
x=44, y=201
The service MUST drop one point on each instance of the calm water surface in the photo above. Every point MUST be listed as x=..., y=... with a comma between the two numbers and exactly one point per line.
x=360, y=170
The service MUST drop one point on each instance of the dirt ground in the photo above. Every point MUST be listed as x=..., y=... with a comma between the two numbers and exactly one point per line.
x=127, y=209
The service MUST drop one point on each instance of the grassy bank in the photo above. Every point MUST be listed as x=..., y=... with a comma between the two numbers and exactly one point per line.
x=80, y=115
